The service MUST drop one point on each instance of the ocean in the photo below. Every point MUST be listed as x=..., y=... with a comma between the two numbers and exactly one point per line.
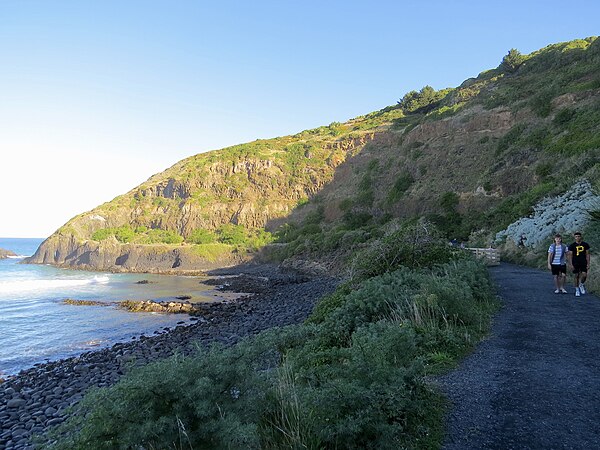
x=36, y=325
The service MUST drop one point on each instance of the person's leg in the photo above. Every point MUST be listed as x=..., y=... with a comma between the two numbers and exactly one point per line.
x=562, y=277
x=582, y=278
x=576, y=273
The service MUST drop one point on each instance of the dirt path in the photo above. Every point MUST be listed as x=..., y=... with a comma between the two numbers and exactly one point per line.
x=535, y=383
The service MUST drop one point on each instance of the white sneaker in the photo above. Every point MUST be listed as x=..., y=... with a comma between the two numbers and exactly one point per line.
x=563, y=291
x=557, y=291
x=582, y=288
x=577, y=294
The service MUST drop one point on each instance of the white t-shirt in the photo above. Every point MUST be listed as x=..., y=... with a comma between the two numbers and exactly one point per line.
x=558, y=254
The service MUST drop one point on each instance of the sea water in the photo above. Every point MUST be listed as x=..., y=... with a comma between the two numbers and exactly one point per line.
x=36, y=325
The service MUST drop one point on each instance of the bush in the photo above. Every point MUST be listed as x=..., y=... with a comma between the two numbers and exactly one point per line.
x=366, y=396
x=412, y=245
x=232, y=234
x=510, y=138
x=102, y=234
x=423, y=101
x=124, y=234
x=157, y=236
x=403, y=182
x=211, y=400
x=512, y=61
x=202, y=236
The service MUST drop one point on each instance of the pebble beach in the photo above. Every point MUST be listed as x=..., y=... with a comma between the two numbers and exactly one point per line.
x=35, y=399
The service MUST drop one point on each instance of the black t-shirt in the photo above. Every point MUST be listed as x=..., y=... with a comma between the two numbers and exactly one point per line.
x=579, y=251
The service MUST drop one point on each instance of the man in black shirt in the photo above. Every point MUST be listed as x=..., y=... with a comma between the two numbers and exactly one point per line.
x=579, y=258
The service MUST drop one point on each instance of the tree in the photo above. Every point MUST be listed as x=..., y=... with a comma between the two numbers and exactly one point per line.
x=415, y=101
x=512, y=60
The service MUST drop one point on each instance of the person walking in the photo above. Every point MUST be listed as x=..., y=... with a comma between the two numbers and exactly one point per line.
x=579, y=258
x=557, y=263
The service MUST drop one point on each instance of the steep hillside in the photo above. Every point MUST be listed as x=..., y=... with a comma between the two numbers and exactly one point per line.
x=471, y=159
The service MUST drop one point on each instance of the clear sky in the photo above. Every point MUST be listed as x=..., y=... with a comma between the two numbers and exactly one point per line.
x=97, y=96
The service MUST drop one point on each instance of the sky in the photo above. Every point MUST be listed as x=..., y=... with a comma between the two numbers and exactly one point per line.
x=96, y=97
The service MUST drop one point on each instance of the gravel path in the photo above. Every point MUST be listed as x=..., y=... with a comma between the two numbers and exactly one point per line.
x=35, y=399
x=535, y=383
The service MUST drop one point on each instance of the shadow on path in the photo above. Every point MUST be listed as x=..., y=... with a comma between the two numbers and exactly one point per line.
x=535, y=382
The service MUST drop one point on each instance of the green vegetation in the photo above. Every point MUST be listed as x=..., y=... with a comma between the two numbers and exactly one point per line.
x=140, y=235
x=212, y=251
x=202, y=236
x=351, y=377
x=402, y=184
x=234, y=236
x=512, y=61
x=423, y=101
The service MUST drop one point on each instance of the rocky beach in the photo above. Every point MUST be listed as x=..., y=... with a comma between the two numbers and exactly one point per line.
x=36, y=399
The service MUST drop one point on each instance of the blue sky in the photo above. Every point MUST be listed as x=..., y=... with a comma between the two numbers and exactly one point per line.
x=95, y=97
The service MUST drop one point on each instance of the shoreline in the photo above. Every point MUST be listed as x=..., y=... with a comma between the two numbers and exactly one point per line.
x=34, y=400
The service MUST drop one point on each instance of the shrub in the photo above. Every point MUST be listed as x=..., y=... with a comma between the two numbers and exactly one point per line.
x=211, y=400
x=102, y=234
x=510, y=138
x=124, y=234
x=424, y=100
x=202, y=236
x=564, y=116
x=232, y=234
x=403, y=182
x=368, y=395
x=512, y=60
x=412, y=245
x=542, y=102
x=157, y=236
x=449, y=201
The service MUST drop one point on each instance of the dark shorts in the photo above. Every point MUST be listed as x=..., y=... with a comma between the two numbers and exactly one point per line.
x=558, y=269
x=579, y=266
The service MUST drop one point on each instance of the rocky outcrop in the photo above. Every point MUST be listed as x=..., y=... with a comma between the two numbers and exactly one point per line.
x=161, y=307
x=112, y=256
x=564, y=213
x=6, y=253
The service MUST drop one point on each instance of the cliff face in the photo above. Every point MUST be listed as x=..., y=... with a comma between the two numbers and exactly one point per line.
x=495, y=137
x=112, y=256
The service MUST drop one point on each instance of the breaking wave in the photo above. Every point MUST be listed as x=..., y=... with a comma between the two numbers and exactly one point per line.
x=14, y=287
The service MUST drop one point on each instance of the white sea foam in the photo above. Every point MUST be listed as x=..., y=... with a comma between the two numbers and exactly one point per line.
x=14, y=287
x=17, y=256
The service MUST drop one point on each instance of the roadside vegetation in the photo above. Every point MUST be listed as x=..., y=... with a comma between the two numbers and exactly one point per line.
x=352, y=376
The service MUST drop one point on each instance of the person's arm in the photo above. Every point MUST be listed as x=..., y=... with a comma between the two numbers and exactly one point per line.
x=587, y=259
x=549, y=260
